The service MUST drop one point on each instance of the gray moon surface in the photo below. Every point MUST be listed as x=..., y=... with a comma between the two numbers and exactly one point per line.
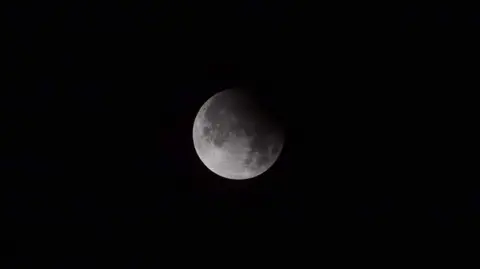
x=234, y=137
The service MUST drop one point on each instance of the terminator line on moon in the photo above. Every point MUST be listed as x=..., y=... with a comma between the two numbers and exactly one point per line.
x=234, y=137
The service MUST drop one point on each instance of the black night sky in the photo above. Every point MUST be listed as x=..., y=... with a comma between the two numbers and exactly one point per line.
x=96, y=156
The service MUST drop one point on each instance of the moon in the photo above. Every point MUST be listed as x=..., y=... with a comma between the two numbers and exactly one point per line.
x=235, y=136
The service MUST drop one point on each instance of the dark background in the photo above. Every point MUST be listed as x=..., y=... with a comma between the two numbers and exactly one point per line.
x=97, y=158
